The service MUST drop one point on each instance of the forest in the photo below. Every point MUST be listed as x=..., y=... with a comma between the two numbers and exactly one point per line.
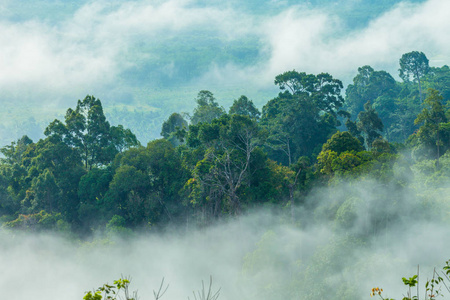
x=88, y=176
x=348, y=168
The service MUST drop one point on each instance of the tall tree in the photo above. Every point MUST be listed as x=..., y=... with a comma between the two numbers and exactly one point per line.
x=245, y=107
x=414, y=65
x=323, y=89
x=172, y=128
x=370, y=124
x=207, y=108
x=374, y=86
x=230, y=142
x=303, y=115
x=88, y=132
x=433, y=132
x=174, y=122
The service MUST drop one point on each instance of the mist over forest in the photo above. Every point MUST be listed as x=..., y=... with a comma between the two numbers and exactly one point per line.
x=284, y=149
x=146, y=59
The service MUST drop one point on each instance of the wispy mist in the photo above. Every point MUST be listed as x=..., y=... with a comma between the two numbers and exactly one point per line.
x=346, y=238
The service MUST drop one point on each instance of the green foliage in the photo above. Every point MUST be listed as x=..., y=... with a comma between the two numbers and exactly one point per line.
x=41, y=221
x=342, y=141
x=432, y=138
x=89, y=134
x=229, y=144
x=414, y=65
x=369, y=124
x=171, y=126
x=433, y=286
x=117, y=226
x=303, y=116
x=119, y=288
x=379, y=87
x=207, y=108
x=93, y=175
x=245, y=107
x=347, y=163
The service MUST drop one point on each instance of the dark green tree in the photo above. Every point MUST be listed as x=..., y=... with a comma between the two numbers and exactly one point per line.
x=175, y=121
x=245, y=107
x=129, y=193
x=370, y=124
x=369, y=85
x=174, y=129
x=342, y=141
x=207, y=108
x=230, y=144
x=324, y=91
x=121, y=139
x=88, y=132
x=433, y=134
x=303, y=116
x=414, y=65
x=92, y=188
x=168, y=177
x=55, y=170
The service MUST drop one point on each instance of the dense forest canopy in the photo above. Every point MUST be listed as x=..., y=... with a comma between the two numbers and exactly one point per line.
x=88, y=175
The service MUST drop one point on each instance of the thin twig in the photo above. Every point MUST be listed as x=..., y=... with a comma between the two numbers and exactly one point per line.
x=159, y=294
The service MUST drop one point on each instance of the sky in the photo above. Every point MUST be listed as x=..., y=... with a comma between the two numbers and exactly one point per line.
x=89, y=46
x=55, y=52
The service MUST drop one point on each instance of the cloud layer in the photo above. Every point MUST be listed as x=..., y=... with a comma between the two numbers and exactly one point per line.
x=92, y=47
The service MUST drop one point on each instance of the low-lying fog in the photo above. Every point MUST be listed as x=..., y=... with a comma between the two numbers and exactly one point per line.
x=346, y=240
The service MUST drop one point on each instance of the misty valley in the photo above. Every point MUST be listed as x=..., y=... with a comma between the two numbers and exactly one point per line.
x=224, y=150
x=315, y=196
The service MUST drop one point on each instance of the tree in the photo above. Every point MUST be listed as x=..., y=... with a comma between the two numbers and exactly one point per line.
x=121, y=139
x=168, y=176
x=414, y=65
x=46, y=192
x=207, y=108
x=323, y=89
x=439, y=79
x=245, y=107
x=230, y=143
x=369, y=85
x=13, y=153
x=369, y=124
x=87, y=131
x=303, y=115
x=433, y=132
x=342, y=141
x=55, y=170
x=92, y=188
x=175, y=121
x=173, y=129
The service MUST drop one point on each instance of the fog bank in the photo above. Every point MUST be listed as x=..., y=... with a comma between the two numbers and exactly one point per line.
x=346, y=240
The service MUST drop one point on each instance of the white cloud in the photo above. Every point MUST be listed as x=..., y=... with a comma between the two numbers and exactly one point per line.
x=314, y=41
x=34, y=55
x=88, y=51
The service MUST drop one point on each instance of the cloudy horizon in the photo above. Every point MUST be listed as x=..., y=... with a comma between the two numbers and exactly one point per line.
x=145, y=53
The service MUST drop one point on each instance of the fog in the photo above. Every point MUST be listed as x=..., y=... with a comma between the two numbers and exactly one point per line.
x=346, y=239
x=158, y=54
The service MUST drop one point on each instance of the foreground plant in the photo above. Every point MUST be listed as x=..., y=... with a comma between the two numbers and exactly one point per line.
x=433, y=287
x=119, y=290
x=112, y=292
